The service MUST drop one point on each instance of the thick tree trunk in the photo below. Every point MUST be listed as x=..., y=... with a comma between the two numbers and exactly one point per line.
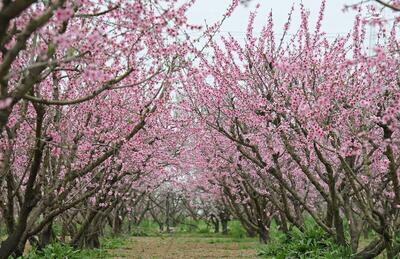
x=91, y=240
x=78, y=240
x=215, y=222
x=224, y=224
x=19, y=250
x=216, y=226
x=340, y=236
x=224, y=218
x=8, y=212
x=251, y=232
x=117, y=224
x=46, y=236
x=10, y=245
x=89, y=235
x=263, y=231
x=329, y=216
x=263, y=235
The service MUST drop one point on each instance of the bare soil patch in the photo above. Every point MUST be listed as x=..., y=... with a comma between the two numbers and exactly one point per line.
x=185, y=247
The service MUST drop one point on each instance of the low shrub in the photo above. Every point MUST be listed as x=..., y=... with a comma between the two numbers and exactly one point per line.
x=313, y=243
x=64, y=251
x=54, y=251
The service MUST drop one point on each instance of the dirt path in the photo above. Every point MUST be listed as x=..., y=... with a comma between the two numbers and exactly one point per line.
x=185, y=247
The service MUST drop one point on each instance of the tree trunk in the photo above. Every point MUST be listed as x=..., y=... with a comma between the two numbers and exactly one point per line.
x=216, y=226
x=167, y=214
x=215, y=222
x=282, y=223
x=117, y=224
x=10, y=245
x=92, y=239
x=340, y=236
x=46, y=236
x=263, y=234
x=31, y=195
x=89, y=235
x=78, y=239
x=224, y=218
x=263, y=231
x=329, y=216
x=224, y=224
x=8, y=212
x=251, y=232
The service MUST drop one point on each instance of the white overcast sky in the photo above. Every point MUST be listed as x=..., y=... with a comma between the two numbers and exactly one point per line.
x=336, y=21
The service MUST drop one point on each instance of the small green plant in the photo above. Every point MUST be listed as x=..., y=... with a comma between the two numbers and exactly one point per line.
x=313, y=243
x=54, y=251
x=64, y=251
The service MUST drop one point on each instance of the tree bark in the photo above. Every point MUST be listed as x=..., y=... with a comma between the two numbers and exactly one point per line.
x=47, y=236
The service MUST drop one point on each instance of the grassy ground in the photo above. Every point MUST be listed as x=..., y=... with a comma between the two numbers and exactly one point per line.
x=186, y=246
x=197, y=240
x=190, y=240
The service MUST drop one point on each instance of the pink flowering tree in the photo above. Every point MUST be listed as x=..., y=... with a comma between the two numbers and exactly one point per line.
x=85, y=111
x=108, y=111
x=317, y=118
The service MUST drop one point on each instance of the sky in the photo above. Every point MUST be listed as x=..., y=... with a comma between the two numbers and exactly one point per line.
x=336, y=22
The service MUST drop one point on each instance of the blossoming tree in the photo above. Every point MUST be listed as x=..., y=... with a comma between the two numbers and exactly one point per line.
x=314, y=120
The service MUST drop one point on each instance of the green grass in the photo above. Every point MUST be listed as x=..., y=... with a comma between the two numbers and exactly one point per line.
x=313, y=243
x=58, y=250
x=236, y=230
x=113, y=243
x=146, y=228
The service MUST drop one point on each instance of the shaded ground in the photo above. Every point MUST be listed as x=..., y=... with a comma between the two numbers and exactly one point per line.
x=179, y=247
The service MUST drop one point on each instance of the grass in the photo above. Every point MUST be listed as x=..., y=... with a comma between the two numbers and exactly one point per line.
x=58, y=250
x=146, y=228
x=198, y=240
x=145, y=241
x=193, y=239
x=310, y=244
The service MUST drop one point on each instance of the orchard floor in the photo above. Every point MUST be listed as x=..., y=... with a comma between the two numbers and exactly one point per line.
x=179, y=247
